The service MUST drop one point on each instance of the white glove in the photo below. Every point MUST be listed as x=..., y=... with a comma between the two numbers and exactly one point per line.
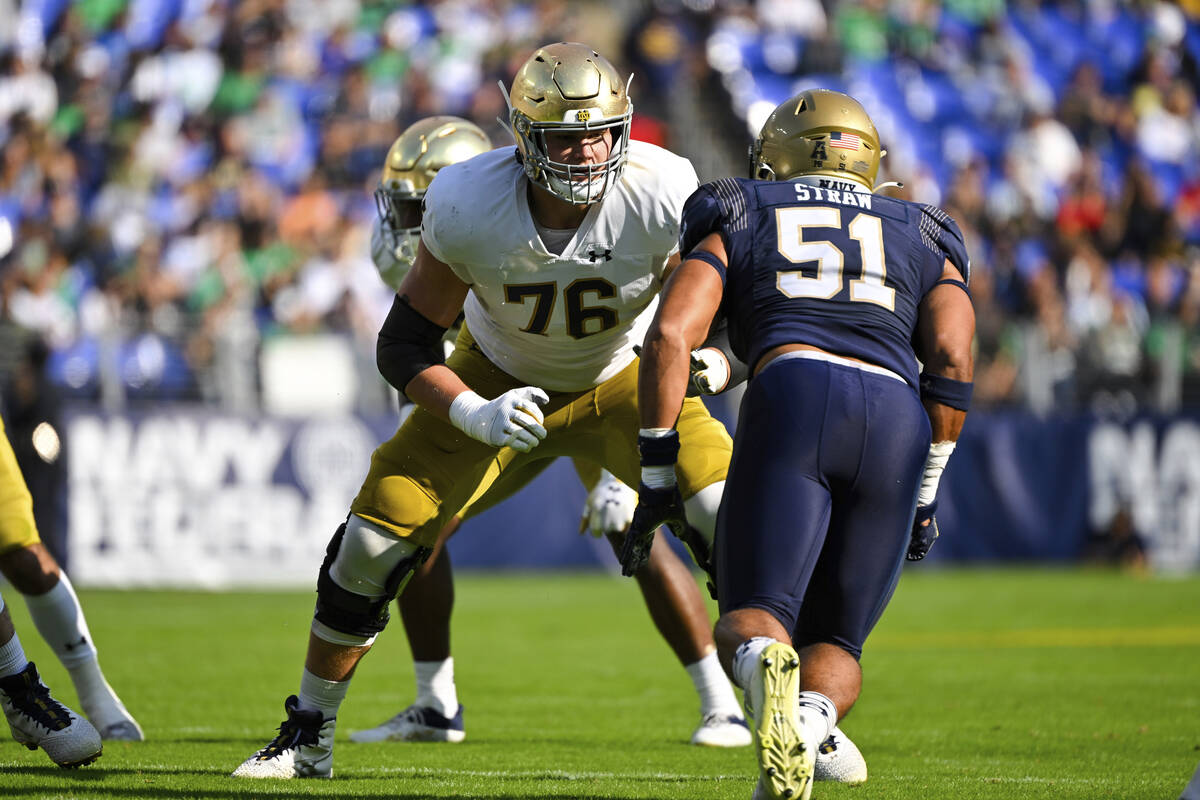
x=710, y=370
x=609, y=507
x=511, y=420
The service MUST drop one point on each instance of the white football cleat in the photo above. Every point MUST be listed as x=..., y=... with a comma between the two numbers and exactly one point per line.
x=839, y=759
x=721, y=729
x=416, y=724
x=303, y=748
x=38, y=720
x=127, y=730
x=109, y=715
x=785, y=760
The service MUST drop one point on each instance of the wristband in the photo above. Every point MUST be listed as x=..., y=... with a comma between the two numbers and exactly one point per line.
x=659, y=448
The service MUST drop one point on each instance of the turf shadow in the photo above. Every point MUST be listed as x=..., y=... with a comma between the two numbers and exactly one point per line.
x=91, y=782
x=256, y=790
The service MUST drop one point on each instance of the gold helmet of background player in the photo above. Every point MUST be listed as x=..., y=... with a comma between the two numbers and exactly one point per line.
x=569, y=88
x=817, y=132
x=412, y=161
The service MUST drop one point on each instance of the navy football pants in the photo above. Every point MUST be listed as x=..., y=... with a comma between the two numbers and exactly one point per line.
x=820, y=496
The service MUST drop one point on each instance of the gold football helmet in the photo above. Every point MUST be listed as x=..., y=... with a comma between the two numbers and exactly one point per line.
x=817, y=132
x=569, y=88
x=412, y=161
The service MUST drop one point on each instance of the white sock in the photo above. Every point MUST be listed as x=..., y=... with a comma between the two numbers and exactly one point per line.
x=318, y=694
x=59, y=619
x=818, y=715
x=745, y=659
x=435, y=686
x=12, y=655
x=716, y=695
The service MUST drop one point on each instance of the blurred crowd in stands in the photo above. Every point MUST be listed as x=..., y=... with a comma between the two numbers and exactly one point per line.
x=184, y=181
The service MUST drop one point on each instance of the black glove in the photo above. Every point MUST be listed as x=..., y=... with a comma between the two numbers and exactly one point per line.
x=923, y=536
x=655, y=507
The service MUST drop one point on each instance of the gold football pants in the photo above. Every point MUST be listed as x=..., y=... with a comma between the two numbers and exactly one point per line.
x=429, y=469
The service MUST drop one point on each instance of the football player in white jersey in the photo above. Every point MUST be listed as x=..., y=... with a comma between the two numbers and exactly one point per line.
x=425, y=606
x=555, y=252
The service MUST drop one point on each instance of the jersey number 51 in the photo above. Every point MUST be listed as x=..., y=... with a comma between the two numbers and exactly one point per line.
x=866, y=229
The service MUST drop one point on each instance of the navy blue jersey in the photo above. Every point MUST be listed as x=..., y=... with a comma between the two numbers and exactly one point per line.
x=842, y=271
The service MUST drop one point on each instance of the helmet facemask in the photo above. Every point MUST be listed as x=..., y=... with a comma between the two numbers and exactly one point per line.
x=569, y=89
x=412, y=162
x=578, y=184
x=399, y=206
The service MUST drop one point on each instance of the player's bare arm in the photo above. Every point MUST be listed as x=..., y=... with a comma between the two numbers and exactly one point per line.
x=686, y=310
x=428, y=301
x=714, y=367
x=672, y=264
x=688, y=304
x=945, y=329
x=410, y=357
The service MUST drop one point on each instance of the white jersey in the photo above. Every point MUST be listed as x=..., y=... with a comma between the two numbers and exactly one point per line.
x=560, y=322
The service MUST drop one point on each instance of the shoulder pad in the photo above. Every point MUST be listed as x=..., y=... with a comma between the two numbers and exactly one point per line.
x=716, y=206
x=941, y=234
x=732, y=198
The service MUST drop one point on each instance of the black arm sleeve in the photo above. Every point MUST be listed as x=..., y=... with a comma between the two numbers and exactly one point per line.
x=408, y=344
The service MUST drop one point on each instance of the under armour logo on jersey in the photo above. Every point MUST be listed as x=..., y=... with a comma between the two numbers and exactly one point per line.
x=599, y=251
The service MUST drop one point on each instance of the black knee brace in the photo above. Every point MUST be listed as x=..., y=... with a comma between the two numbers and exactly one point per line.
x=353, y=613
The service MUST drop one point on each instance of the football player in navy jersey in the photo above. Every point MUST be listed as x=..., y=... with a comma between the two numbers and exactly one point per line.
x=832, y=295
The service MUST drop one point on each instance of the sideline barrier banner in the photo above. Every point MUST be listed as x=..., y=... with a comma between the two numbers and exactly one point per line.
x=1022, y=488
x=188, y=498
x=183, y=498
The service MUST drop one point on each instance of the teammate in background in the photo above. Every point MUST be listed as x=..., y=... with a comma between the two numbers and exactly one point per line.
x=555, y=251
x=35, y=718
x=55, y=609
x=426, y=604
x=831, y=294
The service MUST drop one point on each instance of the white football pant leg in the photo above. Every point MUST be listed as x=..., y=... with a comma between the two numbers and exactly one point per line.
x=702, y=509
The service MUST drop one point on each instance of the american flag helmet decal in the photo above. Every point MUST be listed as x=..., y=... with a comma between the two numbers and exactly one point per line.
x=844, y=141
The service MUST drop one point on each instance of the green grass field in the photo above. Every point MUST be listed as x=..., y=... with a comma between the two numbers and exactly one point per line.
x=978, y=683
